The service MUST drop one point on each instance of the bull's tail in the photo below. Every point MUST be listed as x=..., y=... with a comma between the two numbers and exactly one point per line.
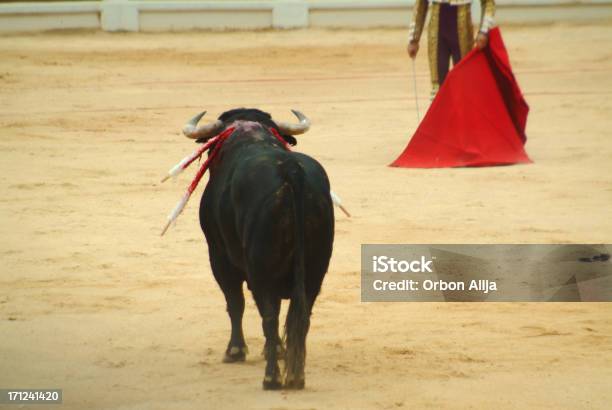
x=298, y=316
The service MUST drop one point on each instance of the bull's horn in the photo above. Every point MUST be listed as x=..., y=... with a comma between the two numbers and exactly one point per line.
x=191, y=129
x=295, y=129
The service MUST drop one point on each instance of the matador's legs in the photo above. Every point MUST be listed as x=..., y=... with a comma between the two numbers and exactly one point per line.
x=450, y=36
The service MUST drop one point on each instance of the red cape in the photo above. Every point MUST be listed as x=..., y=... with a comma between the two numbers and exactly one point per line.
x=478, y=117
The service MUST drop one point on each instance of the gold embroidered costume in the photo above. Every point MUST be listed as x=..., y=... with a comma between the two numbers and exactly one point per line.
x=450, y=32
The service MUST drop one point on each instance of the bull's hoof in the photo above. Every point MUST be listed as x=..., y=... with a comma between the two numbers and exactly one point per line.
x=272, y=383
x=235, y=354
x=293, y=384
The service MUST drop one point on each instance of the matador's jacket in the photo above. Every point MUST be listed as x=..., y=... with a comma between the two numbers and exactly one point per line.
x=450, y=33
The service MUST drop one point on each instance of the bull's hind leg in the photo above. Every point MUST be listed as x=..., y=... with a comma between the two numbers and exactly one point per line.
x=236, y=348
x=230, y=282
x=298, y=380
x=280, y=349
x=269, y=309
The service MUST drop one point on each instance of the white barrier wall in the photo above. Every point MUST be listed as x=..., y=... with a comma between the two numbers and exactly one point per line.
x=190, y=15
x=16, y=17
x=127, y=15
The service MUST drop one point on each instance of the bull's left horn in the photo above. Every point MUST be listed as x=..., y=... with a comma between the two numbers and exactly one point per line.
x=295, y=129
x=191, y=129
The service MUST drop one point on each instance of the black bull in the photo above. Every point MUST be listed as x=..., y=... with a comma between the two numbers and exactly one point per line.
x=268, y=219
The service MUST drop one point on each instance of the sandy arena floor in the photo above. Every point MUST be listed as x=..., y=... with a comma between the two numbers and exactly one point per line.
x=93, y=301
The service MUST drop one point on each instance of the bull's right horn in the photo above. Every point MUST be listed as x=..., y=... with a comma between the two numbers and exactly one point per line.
x=295, y=129
x=191, y=129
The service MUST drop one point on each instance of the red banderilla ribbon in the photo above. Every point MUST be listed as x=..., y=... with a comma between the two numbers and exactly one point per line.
x=178, y=209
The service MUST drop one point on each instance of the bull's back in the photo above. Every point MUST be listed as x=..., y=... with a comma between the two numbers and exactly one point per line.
x=251, y=211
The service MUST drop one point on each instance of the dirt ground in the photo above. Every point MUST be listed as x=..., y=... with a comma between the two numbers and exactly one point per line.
x=94, y=301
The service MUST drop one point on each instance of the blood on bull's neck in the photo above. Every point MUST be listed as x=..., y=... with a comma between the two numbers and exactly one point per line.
x=249, y=132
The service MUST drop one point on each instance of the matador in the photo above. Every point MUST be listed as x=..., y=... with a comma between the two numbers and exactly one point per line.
x=450, y=33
